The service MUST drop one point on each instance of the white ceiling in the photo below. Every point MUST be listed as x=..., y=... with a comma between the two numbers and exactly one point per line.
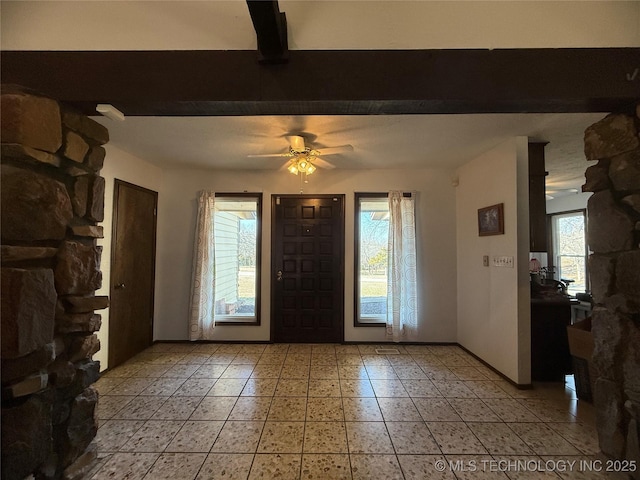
x=379, y=142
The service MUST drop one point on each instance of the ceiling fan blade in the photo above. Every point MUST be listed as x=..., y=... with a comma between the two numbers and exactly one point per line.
x=270, y=155
x=322, y=163
x=285, y=165
x=334, y=150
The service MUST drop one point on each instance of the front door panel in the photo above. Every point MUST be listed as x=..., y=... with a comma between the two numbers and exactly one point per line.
x=308, y=268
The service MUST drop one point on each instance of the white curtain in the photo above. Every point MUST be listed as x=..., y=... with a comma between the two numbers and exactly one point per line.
x=201, y=321
x=402, y=302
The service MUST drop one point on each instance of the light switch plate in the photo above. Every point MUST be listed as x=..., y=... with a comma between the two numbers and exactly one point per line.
x=503, y=261
x=485, y=260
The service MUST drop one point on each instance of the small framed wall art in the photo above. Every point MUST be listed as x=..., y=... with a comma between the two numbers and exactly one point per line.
x=491, y=220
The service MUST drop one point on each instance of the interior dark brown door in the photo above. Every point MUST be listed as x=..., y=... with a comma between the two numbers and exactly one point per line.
x=133, y=252
x=308, y=268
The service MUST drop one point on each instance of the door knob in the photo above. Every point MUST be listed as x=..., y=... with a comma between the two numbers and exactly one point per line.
x=120, y=286
x=279, y=276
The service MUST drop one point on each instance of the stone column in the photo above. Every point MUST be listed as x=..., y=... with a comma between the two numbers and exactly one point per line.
x=614, y=238
x=52, y=200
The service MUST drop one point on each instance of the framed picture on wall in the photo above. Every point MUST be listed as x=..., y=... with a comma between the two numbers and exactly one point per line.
x=491, y=220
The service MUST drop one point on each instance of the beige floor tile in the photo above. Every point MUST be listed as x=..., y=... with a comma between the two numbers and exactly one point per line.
x=388, y=388
x=542, y=440
x=140, y=408
x=361, y=410
x=352, y=372
x=226, y=466
x=583, y=437
x=238, y=437
x=295, y=371
x=195, y=387
x=164, y=386
x=436, y=410
x=368, y=437
x=326, y=466
x=251, y=408
x=474, y=467
x=288, y=409
x=425, y=467
x=278, y=465
x=267, y=370
x=153, y=436
x=227, y=387
x=196, y=436
x=324, y=372
x=237, y=371
x=421, y=388
x=176, y=466
x=455, y=438
x=260, y=387
x=292, y=387
x=325, y=437
x=356, y=388
x=326, y=409
x=321, y=387
x=399, y=410
x=132, y=466
x=177, y=408
x=282, y=437
x=214, y=408
x=113, y=434
x=473, y=410
x=412, y=438
x=367, y=467
x=181, y=370
x=510, y=410
x=499, y=439
x=381, y=372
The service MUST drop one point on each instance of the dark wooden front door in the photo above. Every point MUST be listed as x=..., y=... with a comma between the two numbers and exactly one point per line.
x=133, y=253
x=308, y=268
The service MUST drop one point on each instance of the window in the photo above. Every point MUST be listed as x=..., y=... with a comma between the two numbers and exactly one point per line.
x=569, y=249
x=372, y=235
x=237, y=258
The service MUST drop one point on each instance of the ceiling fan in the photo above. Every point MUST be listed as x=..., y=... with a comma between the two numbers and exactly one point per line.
x=304, y=159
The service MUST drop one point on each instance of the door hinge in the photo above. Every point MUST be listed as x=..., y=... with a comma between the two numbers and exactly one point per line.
x=155, y=212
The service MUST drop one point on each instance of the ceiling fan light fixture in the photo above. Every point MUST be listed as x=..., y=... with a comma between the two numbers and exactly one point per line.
x=301, y=165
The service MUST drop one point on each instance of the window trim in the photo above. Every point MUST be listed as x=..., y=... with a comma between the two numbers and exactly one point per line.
x=356, y=292
x=551, y=254
x=258, y=303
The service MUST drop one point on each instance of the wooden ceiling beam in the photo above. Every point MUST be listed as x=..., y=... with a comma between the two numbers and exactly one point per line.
x=342, y=82
x=271, y=30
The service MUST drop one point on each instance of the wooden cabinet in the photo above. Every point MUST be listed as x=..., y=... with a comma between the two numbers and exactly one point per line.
x=537, y=198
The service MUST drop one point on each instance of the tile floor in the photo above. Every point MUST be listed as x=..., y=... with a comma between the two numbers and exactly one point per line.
x=228, y=411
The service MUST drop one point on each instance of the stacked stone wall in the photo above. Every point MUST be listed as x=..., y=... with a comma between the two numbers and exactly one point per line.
x=52, y=200
x=614, y=238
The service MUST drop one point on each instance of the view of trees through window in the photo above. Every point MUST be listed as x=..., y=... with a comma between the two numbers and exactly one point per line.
x=569, y=247
x=236, y=256
x=373, y=232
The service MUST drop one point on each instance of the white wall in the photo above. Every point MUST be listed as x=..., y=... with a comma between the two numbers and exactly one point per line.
x=319, y=24
x=575, y=201
x=493, y=302
x=435, y=211
x=123, y=166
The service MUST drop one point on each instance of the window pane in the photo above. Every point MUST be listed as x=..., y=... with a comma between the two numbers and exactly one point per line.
x=571, y=235
x=235, y=232
x=573, y=268
x=374, y=231
x=570, y=250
